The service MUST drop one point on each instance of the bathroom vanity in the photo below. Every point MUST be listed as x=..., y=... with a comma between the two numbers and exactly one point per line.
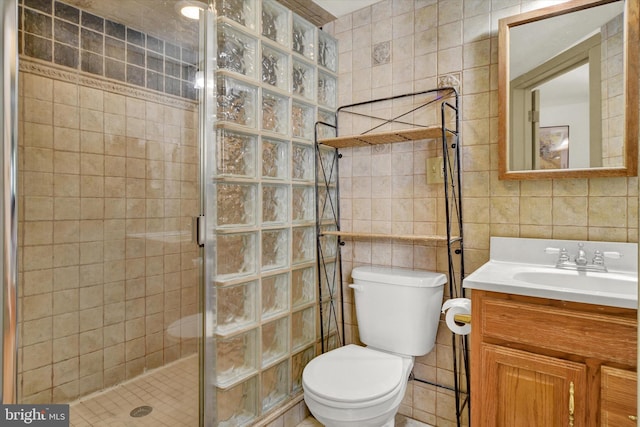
x=551, y=362
x=549, y=351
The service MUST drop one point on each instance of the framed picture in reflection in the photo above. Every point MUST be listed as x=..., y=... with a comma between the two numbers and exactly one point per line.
x=553, y=151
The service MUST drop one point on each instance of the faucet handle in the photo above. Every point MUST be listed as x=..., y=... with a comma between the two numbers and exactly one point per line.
x=612, y=254
x=598, y=258
x=563, y=254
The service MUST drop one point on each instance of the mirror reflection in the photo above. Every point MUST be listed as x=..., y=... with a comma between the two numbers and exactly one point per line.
x=563, y=92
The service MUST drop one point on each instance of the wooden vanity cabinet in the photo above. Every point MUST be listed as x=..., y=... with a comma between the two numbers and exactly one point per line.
x=541, y=362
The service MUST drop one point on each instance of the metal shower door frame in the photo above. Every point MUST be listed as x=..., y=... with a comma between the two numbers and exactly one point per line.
x=8, y=212
x=208, y=161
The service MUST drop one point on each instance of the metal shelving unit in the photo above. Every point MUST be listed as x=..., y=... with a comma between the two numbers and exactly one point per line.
x=408, y=121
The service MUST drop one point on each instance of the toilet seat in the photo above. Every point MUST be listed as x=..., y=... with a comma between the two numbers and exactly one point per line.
x=353, y=374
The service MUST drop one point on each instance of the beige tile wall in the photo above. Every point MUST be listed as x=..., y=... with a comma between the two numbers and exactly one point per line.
x=384, y=189
x=612, y=70
x=107, y=188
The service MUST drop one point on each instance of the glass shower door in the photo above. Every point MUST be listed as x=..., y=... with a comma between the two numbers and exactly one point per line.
x=109, y=186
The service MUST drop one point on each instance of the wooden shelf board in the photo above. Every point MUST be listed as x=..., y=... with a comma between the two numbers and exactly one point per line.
x=386, y=236
x=400, y=135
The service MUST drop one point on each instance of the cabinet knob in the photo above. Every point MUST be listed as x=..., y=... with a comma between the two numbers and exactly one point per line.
x=633, y=417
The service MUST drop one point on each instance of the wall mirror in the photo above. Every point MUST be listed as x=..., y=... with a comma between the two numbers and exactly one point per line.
x=568, y=91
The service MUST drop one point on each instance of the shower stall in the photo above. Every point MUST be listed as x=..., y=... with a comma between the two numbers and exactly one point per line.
x=159, y=206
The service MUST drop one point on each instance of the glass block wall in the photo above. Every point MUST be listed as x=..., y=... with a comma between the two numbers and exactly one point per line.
x=276, y=75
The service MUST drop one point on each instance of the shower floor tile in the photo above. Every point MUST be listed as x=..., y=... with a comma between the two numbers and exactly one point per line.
x=171, y=392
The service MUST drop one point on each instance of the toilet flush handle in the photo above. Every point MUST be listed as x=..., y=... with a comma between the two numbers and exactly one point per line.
x=357, y=288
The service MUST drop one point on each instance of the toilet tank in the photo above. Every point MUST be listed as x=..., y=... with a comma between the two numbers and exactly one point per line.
x=398, y=309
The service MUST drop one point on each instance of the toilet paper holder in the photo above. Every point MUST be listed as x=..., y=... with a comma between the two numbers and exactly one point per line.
x=458, y=315
x=462, y=318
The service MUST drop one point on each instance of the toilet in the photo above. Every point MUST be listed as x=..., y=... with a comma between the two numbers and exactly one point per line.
x=398, y=312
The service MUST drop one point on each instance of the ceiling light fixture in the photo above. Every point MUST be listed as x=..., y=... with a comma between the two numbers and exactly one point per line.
x=190, y=8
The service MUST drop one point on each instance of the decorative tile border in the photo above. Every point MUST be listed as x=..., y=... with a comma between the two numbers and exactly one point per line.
x=57, y=72
x=55, y=32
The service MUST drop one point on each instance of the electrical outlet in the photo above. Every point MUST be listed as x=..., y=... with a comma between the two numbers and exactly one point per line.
x=435, y=173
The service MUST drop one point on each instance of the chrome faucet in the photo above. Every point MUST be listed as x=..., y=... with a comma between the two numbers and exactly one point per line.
x=580, y=261
x=581, y=258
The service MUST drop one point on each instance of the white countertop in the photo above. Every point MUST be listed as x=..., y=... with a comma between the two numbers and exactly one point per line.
x=522, y=267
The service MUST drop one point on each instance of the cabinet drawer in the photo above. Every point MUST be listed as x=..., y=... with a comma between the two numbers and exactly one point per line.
x=618, y=397
x=560, y=329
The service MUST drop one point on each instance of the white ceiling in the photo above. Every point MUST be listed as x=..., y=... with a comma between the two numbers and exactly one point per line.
x=159, y=17
x=156, y=17
x=536, y=42
x=339, y=8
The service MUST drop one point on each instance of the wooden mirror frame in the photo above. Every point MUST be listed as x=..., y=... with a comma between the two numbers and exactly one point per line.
x=632, y=43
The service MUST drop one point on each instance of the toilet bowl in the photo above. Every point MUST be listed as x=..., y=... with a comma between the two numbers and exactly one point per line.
x=398, y=312
x=356, y=386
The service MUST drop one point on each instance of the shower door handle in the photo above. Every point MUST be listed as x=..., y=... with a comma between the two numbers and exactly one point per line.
x=198, y=230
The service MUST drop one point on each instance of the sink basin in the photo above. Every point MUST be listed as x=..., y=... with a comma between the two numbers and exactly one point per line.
x=521, y=267
x=581, y=281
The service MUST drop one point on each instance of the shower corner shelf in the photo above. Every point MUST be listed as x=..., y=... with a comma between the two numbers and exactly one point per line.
x=329, y=236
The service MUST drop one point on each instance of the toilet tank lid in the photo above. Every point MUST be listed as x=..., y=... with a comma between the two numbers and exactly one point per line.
x=399, y=276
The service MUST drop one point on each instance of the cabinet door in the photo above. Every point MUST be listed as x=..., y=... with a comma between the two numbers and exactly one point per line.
x=618, y=404
x=522, y=389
